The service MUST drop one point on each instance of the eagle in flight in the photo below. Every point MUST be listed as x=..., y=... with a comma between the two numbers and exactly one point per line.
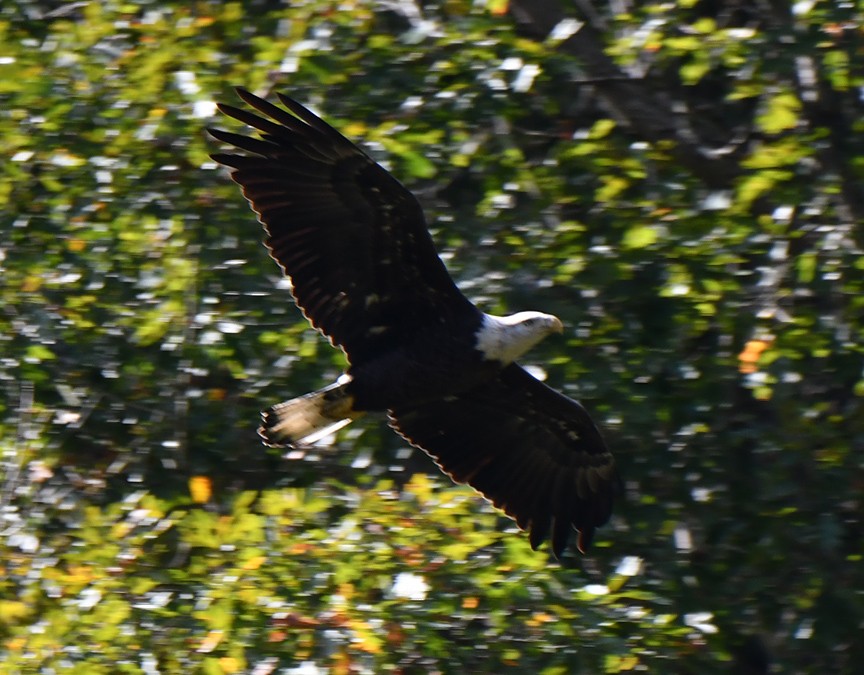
x=354, y=243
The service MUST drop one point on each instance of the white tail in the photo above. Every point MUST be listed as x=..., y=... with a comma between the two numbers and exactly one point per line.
x=306, y=419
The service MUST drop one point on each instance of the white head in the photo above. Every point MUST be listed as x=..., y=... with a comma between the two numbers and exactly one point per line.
x=506, y=338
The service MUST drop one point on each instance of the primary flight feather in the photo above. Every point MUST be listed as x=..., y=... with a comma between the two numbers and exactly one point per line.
x=364, y=271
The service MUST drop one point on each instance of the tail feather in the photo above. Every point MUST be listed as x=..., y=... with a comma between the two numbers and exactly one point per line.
x=308, y=418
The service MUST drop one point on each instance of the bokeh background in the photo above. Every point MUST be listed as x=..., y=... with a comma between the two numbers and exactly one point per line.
x=680, y=182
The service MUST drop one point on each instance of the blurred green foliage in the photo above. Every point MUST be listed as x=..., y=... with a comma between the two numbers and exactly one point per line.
x=679, y=182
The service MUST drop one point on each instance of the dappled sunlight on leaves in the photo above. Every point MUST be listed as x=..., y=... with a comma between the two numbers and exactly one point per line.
x=712, y=304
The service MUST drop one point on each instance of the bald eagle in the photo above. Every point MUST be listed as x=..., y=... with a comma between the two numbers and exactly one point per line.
x=364, y=271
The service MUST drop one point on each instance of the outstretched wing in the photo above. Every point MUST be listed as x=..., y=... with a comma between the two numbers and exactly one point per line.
x=351, y=238
x=532, y=452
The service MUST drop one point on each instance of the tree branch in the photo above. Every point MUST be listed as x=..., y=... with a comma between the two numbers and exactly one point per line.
x=634, y=102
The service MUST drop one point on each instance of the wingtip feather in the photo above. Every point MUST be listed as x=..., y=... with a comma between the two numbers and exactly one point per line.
x=245, y=94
